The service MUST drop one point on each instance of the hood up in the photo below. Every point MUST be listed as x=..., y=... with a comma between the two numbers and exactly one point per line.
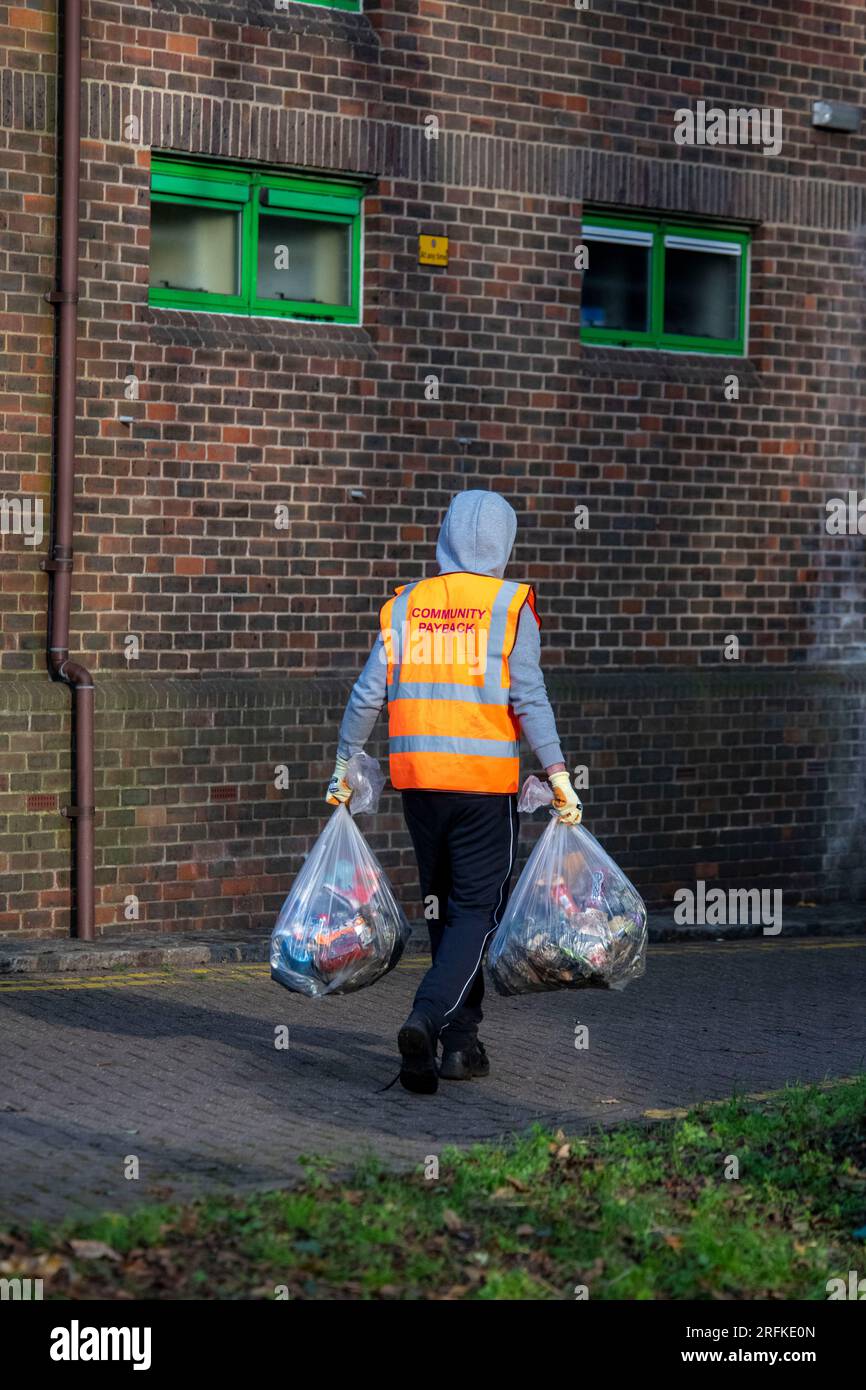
x=477, y=534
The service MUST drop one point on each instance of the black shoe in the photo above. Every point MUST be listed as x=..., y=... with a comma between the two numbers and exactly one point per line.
x=465, y=1063
x=417, y=1043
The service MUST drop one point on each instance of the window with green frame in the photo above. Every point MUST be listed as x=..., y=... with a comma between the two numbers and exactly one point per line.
x=667, y=285
x=328, y=4
x=248, y=241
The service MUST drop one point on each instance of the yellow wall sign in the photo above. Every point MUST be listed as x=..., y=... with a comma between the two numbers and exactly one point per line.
x=432, y=250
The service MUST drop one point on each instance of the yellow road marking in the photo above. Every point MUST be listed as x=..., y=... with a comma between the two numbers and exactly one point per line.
x=160, y=975
x=254, y=970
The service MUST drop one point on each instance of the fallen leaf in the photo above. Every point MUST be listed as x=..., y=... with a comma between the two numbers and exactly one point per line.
x=92, y=1250
x=452, y=1220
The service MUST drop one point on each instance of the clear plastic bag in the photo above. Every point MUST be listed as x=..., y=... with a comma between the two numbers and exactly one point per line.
x=366, y=779
x=574, y=921
x=341, y=927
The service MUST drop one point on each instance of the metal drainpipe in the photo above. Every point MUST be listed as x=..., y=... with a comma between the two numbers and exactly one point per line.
x=59, y=563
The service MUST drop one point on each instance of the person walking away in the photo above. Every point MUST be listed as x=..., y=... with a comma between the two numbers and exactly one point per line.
x=457, y=658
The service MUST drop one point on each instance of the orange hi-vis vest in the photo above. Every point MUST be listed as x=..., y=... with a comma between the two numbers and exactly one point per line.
x=447, y=642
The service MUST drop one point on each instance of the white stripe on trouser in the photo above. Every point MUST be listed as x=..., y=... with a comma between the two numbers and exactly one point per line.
x=495, y=917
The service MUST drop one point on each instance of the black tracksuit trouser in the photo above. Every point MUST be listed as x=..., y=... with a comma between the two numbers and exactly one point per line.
x=465, y=844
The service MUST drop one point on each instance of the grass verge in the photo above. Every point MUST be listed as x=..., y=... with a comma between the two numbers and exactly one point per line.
x=741, y=1199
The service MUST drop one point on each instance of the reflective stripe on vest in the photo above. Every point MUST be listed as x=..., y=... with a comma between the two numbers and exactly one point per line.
x=450, y=721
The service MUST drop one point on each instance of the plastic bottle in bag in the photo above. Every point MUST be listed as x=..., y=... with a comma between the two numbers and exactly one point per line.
x=341, y=927
x=574, y=921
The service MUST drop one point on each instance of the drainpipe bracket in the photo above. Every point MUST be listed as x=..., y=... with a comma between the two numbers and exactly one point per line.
x=59, y=559
x=84, y=812
x=61, y=296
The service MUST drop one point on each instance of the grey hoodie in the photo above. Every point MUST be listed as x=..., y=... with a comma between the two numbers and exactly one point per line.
x=477, y=537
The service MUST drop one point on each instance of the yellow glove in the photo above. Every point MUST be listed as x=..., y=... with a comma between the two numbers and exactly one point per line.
x=339, y=790
x=566, y=802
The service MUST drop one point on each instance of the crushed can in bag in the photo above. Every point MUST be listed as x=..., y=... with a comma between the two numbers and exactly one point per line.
x=574, y=921
x=341, y=927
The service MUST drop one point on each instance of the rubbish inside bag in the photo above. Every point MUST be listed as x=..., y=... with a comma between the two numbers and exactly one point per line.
x=574, y=921
x=341, y=927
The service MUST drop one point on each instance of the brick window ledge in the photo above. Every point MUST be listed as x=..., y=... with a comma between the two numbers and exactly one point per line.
x=351, y=26
x=240, y=333
x=640, y=364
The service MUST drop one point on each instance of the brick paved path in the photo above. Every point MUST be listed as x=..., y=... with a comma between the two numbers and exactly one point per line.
x=180, y=1069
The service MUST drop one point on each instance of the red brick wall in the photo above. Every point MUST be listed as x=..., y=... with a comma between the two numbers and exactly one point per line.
x=746, y=786
x=706, y=515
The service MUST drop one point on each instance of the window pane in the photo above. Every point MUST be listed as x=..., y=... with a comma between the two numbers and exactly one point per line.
x=303, y=260
x=194, y=248
x=702, y=294
x=616, y=287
